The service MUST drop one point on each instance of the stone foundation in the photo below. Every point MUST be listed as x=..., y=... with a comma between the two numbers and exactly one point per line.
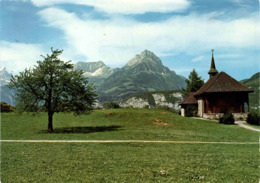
x=216, y=116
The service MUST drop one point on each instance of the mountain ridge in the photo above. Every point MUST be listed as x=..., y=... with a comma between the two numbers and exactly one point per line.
x=143, y=73
x=4, y=76
x=7, y=94
x=94, y=68
x=254, y=83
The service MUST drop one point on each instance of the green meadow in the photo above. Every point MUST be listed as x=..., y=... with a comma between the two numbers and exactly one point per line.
x=126, y=162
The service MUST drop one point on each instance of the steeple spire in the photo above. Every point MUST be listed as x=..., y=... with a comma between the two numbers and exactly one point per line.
x=213, y=71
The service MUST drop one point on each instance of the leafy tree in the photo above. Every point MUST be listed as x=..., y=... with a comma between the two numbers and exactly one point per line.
x=54, y=86
x=194, y=83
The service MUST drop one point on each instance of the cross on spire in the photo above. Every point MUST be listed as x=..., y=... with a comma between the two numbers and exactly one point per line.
x=213, y=71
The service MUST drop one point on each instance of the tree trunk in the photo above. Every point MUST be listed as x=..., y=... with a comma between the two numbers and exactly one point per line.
x=50, y=127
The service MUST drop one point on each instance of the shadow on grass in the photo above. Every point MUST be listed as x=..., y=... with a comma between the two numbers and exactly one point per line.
x=91, y=129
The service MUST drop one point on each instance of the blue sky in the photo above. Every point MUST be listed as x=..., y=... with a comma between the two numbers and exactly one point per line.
x=181, y=32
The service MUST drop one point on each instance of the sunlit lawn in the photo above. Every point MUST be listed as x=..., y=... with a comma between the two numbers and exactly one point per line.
x=126, y=162
x=120, y=124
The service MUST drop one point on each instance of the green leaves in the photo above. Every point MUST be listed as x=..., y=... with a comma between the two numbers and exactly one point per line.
x=194, y=83
x=54, y=86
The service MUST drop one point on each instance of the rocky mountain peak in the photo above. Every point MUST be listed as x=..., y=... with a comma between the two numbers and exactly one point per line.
x=101, y=63
x=2, y=69
x=146, y=55
x=4, y=76
x=89, y=66
x=4, y=72
x=94, y=69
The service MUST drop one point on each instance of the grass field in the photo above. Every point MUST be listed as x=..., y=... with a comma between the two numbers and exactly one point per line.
x=126, y=162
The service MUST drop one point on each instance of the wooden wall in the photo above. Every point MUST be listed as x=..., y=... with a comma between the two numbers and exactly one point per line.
x=222, y=102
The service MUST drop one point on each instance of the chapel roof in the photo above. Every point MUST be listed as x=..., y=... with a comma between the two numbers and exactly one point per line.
x=189, y=99
x=222, y=82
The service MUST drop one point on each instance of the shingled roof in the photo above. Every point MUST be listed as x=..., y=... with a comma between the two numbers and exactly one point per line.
x=222, y=82
x=189, y=99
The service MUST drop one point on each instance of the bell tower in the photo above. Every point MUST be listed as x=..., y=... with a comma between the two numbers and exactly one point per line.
x=213, y=71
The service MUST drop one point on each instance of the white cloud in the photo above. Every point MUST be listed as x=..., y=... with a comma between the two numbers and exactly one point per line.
x=197, y=59
x=118, y=39
x=123, y=6
x=18, y=56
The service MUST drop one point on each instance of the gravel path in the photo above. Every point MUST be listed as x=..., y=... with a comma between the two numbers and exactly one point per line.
x=242, y=124
x=239, y=123
x=124, y=141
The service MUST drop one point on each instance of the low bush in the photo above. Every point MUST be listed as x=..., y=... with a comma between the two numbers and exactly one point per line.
x=166, y=108
x=146, y=107
x=191, y=111
x=111, y=105
x=253, y=118
x=227, y=118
